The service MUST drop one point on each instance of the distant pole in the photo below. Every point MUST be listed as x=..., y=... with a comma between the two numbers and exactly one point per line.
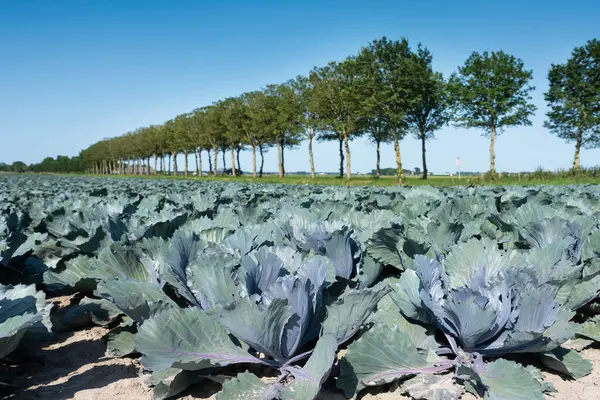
x=458, y=166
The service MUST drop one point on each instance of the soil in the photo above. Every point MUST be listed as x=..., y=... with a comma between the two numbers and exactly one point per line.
x=73, y=365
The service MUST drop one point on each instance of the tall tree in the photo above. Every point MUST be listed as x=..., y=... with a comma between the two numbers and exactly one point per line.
x=254, y=130
x=199, y=137
x=574, y=99
x=309, y=120
x=336, y=103
x=491, y=91
x=386, y=67
x=378, y=133
x=280, y=114
x=430, y=111
x=234, y=121
x=214, y=132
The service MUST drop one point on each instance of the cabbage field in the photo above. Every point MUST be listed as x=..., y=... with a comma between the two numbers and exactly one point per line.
x=289, y=292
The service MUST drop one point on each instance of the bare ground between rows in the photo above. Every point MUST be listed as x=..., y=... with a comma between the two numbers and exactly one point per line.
x=72, y=365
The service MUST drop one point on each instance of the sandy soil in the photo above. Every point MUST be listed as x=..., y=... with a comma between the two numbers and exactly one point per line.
x=72, y=365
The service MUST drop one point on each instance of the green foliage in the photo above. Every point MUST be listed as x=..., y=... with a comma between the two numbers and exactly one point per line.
x=574, y=98
x=491, y=92
x=431, y=111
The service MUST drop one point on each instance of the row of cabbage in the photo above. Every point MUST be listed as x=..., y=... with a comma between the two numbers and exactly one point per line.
x=292, y=291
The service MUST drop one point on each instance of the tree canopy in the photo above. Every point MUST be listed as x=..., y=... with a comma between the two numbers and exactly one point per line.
x=574, y=99
x=386, y=91
x=491, y=92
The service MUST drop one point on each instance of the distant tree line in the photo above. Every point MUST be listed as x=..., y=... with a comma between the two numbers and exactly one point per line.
x=386, y=92
x=60, y=164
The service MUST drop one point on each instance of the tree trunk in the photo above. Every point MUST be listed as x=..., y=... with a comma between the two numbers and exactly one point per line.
x=283, y=156
x=169, y=165
x=216, y=159
x=254, y=160
x=148, y=166
x=279, y=161
x=185, y=163
x=341, y=140
x=262, y=160
x=175, y=164
x=238, y=149
x=378, y=164
x=232, y=160
x=163, y=168
x=311, y=160
x=155, y=164
x=578, y=143
x=224, y=162
x=492, y=154
x=210, y=168
x=347, y=145
x=423, y=155
x=199, y=162
x=400, y=171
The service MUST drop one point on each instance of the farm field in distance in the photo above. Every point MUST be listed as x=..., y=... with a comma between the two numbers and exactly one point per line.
x=196, y=289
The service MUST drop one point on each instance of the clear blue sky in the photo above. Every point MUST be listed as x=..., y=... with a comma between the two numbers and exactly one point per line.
x=73, y=72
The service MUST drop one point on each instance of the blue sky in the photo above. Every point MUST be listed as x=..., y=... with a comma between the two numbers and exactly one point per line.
x=73, y=72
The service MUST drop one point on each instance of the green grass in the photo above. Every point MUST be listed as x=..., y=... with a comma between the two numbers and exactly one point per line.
x=535, y=178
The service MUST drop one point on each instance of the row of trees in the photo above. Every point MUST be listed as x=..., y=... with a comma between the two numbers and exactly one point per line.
x=387, y=91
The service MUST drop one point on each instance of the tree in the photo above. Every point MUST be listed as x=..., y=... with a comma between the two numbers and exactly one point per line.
x=574, y=99
x=19, y=167
x=214, y=131
x=430, y=112
x=237, y=124
x=157, y=139
x=379, y=133
x=386, y=67
x=491, y=92
x=278, y=112
x=200, y=139
x=336, y=103
x=253, y=125
x=181, y=140
x=309, y=119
